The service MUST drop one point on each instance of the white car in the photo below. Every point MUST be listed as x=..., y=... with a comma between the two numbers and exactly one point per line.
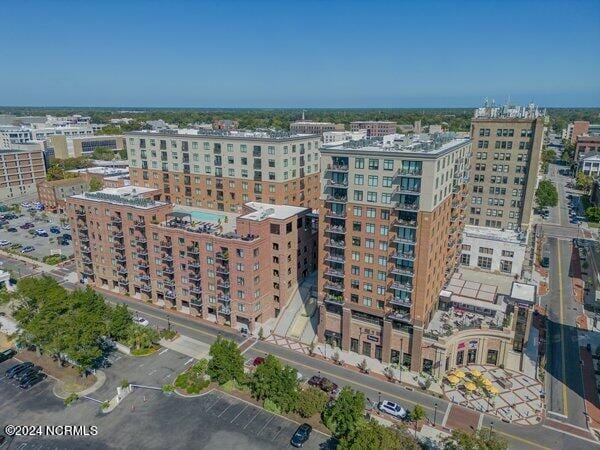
x=4, y=243
x=141, y=321
x=66, y=227
x=393, y=409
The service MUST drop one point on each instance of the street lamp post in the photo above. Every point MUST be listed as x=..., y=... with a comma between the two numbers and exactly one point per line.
x=491, y=428
x=435, y=405
x=168, y=323
x=378, y=398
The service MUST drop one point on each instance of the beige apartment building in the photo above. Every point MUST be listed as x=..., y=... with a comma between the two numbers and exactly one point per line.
x=76, y=146
x=389, y=239
x=223, y=170
x=374, y=128
x=237, y=272
x=20, y=171
x=507, y=145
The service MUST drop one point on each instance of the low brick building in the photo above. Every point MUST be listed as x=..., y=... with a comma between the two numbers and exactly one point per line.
x=239, y=272
x=53, y=194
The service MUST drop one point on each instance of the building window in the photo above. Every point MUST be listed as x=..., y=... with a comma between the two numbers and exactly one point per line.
x=492, y=357
x=505, y=266
x=484, y=262
x=366, y=348
x=465, y=259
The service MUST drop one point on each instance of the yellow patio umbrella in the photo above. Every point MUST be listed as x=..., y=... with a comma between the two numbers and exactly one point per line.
x=452, y=379
x=459, y=374
x=493, y=390
x=475, y=373
x=470, y=386
x=486, y=382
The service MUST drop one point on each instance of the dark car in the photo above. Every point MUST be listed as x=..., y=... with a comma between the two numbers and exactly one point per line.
x=27, y=225
x=27, y=373
x=7, y=354
x=14, y=370
x=12, y=229
x=67, y=236
x=315, y=380
x=55, y=230
x=301, y=435
x=32, y=381
x=258, y=361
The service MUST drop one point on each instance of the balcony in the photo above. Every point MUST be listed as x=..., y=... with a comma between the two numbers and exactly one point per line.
x=119, y=247
x=84, y=238
x=336, y=183
x=405, y=223
x=88, y=272
x=116, y=220
x=335, y=229
x=122, y=270
x=406, y=271
x=193, y=251
x=83, y=229
x=404, y=240
x=120, y=258
x=336, y=199
x=144, y=277
x=196, y=302
x=223, y=270
x=401, y=302
x=407, y=190
x=141, y=264
x=335, y=299
x=337, y=287
x=335, y=258
x=146, y=288
x=225, y=310
x=335, y=243
x=335, y=215
x=80, y=212
x=334, y=273
x=196, y=290
x=337, y=168
x=117, y=234
x=168, y=270
x=223, y=284
x=85, y=250
x=403, y=206
x=166, y=244
x=141, y=240
x=123, y=282
x=399, y=316
x=409, y=172
x=139, y=224
x=406, y=256
x=223, y=256
x=167, y=258
x=194, y=265
x=170, y=295
x=169, y=283
x=194, y=277
x=141, y=252
x=224, y=298
x=405, y=287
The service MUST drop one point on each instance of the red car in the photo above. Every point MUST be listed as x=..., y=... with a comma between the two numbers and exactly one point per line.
x=258, y=361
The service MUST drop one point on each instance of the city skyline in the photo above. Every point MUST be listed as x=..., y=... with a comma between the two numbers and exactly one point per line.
x=325, y=55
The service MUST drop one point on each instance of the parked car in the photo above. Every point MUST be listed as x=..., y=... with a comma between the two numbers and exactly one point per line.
x=393, y=409
x=301, y=435
x=33, y=380
x=14, y=370
x=67, y=236
x=26, y=226
x=27, y=373
x=141, y=321
x=11, y=230
x=315, y=381
x=7, y=354
x=4, y=243
x=258, y=361
x=41, y=233
x=55, y=230
x=27, y=249
x=66, y=226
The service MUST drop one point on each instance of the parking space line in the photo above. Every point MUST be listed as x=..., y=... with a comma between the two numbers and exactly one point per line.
x=267, y=423
x=238, y=414
x=229, y=406
x=218, y=398
x=257, y=413
x=163, y=351
x=280, y=429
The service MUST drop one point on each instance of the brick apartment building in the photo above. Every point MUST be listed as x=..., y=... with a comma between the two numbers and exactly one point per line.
x=308, y=127
x=389, y=238
x=374, y=128
x=223, y=170
x=20, y=171
x=238, y=272
x=53, y=194
x=586, y=145
x=507, y=146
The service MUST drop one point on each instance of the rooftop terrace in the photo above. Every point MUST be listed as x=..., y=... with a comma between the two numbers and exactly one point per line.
x=227, y=134
x=125, y=195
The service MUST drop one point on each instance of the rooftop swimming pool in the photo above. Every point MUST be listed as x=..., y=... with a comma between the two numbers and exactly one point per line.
x=207, y=217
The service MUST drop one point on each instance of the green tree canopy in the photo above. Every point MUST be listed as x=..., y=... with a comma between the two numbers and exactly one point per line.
x=371, y=435
x=311, y=401
x=583, y=182
x=483, y=439
x=346, y=413
x=103, y=154
x=95, y=184
x=55, y=172
x=546, y=194
x=276, y=382
x=593, y=214
x=119, y=324
x=548, y=155
x=227, y=363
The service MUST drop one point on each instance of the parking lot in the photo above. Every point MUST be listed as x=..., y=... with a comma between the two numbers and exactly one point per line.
x=147, y=418
x=44, y=246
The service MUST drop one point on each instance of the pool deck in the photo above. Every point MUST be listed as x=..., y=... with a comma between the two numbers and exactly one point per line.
x=228, y=226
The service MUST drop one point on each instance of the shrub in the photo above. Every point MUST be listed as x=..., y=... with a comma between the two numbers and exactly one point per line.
x=168, y=388
x=124, y=383
x=270, y=406
x=71, y=398
x=167, y=334
x=312, y=401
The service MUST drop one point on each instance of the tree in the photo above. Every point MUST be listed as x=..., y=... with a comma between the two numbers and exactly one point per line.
x=276, y=382
x=123, y=153
x=346, y=413
x=55, y=172
x=548, y=156
x=104, y=154
x=311, y=401
x=418, y=413
x=583, y=182
x=95, y=184
x=546, y=194
x=141, y=338
x=227, y=363
x=371, y=435
x=483, y=439
x=593, y=214
x=120, y=321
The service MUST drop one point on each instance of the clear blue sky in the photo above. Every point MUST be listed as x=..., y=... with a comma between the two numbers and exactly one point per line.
x=292, y=53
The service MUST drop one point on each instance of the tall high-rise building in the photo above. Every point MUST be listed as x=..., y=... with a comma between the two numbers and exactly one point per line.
x=507, y=144
x=223, y=170
x=389, y=238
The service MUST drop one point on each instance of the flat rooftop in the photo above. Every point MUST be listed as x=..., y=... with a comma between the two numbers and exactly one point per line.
x=492, y=112
x=105, y=171
x=125, y=195
x=494, y=234
x=264, y=211
x=522, y=292
x=418, y=145
x=258, y=135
